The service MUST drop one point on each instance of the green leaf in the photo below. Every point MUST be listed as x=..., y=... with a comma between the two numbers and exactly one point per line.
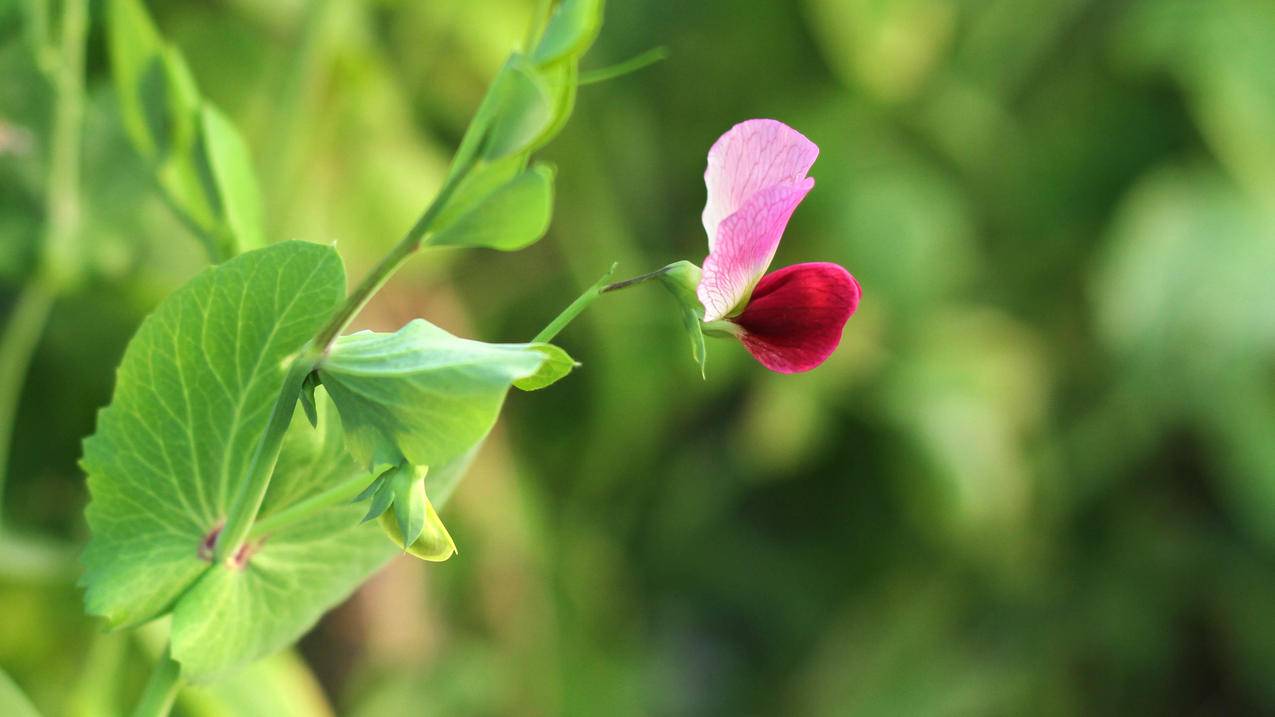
x=202, y=163
x=556, y=366
x=561, y=81
x=510, y=218
x=681, y=279
x=572, y=29
x=235, y=182
x=158, y=96
x=421, y=393
x=291, y=574
x=183, y=103
x=136, y=54
x=484, y=179
x=192, y=397
x=519, y=109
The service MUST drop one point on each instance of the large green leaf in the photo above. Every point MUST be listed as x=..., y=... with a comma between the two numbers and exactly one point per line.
x=423, y=394
x=307, y=552
x=509, y=218
x=192, y=397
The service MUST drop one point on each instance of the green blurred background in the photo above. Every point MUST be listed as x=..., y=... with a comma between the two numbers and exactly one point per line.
x=1038, y=477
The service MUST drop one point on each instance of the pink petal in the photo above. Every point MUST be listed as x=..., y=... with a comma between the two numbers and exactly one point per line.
x=794, y=320
x=751, y=156
x=746, y=245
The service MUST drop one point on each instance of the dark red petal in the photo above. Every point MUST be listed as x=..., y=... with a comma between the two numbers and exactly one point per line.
x=794, y=319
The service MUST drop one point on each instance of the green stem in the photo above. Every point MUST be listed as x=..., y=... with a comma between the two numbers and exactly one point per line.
x=340, y=493
x=17, y=346
x=252, y=491
x=380, y=274
x=58, y=250
x=571, y=312
x=637, y=279
x=161, y=689
x=633, y=64
x=46, y=54
x=291, y=114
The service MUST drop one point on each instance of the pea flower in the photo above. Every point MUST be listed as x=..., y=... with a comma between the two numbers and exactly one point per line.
x=791, y=319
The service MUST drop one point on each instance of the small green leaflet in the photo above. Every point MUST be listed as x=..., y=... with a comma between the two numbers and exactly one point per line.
x=509, y=218
x=142, y=77
x=300, y=564
x=681, y=279
x=234, y=182
x=423, y=394
x=201, y=161
x=561, y=81
x=519, y=108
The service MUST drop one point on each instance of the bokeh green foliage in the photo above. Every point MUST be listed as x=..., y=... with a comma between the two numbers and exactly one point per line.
x=1038, y=476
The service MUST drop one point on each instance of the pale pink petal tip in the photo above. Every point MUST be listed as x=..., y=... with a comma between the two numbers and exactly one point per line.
x=746, y=246
x=751, y=156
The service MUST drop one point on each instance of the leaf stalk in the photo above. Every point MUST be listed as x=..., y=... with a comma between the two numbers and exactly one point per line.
x=161, y=689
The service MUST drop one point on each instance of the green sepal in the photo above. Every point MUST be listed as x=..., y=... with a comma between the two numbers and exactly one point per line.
x=510, y=217
x=371, y=488
x=381, y=491
x=310, y=383
x=571, y=30
x=422, y=394
x=433, y=543
x=681, y=279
